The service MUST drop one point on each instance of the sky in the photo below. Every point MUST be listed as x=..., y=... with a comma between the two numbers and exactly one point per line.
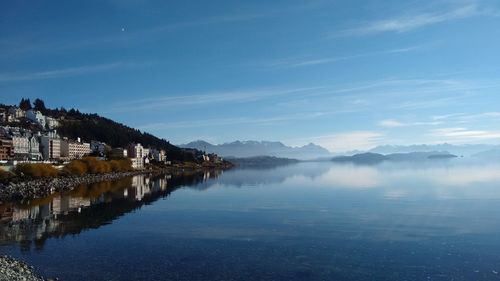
x=342, y=74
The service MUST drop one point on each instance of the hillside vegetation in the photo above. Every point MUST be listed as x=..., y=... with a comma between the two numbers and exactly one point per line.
x=74, y=124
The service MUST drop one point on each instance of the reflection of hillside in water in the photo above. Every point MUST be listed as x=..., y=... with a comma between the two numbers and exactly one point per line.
x=86, y=207
x=277, y=175
x=247, y=177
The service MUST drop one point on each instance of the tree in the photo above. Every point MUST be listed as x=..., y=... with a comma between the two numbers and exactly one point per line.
x=25, y=104
x=40, y=105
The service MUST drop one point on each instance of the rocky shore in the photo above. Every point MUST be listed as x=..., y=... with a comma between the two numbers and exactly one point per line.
x=38, y=188
x=13, y=270
x=27, y=189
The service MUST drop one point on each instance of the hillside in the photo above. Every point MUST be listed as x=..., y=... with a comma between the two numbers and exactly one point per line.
x=74, y=124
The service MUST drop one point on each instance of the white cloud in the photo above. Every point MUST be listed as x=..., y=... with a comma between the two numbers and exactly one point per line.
x=392, y=123
x=299, y=62
x=203, y=123
x=468, y=118
x=464, y=135
x=64, y=72
x=208, y=98
x=413, y=22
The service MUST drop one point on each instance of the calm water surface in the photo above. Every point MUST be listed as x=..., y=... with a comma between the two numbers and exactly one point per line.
x=310, y=221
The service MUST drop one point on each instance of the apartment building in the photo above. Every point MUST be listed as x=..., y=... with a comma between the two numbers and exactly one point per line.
x=51, y=148
x=74, y=149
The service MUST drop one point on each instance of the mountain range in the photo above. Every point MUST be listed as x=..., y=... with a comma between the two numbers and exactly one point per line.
x=467, y=150
x=375, y=158
x=243, y=149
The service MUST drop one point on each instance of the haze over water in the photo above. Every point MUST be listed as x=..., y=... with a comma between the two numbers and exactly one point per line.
x=309, y=221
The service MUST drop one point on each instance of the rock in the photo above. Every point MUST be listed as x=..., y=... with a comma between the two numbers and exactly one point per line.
x=13, y=270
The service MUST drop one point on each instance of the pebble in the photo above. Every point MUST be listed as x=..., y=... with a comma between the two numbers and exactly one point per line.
x=13, y=270
x=39, y=188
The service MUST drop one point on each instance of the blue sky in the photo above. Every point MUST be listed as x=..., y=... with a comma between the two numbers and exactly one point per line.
x=342, y=74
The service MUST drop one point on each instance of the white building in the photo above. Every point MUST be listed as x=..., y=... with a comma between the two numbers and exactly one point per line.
x=34, y=149
x=97, y=147
x=74, y=149
x=136, y=154
x=36, y=116
x=158, y=155
x=52, y=123
x=51, y=148
x=16, y=112
x=21, y=147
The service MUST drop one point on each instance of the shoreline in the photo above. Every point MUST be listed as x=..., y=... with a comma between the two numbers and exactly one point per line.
x=28, y=189
x=14, y=270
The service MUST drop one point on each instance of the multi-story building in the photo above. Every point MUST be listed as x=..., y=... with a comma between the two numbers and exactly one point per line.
x=158, y=155
x=119, y=153
x=3, y=116
x=6, y=149
x=36, y=116
x=136, y=154
x=21, y=146
x=147, y=155
x=51, y=147
x=34, y=149
x=16, y=112
x=74, y=149
x=97, y=147
x=52, y=123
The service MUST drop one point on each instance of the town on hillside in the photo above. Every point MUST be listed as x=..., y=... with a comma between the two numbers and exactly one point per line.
x=29, y=136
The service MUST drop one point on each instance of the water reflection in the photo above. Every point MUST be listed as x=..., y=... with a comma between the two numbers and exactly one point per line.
x=310, y=221
x=87, y=207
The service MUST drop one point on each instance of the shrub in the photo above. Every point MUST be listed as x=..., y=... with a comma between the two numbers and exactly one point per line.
x=5, y=175
x=125, y=165
x=76, y=167
x=36, y=170
x=96, y=166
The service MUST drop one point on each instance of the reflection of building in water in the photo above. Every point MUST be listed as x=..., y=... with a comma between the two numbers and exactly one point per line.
x=64, y=204
x=72, y=213
x=141, y=185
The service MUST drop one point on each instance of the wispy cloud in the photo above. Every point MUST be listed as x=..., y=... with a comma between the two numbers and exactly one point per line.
x=209, y=98
x=393, y=123
x=299, y=62
x=413, y=22
x=464, y=135
x=204, y=123
x=65, y=72
x=465, y=118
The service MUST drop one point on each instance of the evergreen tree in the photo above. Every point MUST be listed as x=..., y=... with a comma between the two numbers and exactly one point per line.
x=40, y=105
x=25, y=104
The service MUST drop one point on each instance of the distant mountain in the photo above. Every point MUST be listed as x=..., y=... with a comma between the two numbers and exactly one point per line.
x=491, y=154
x=375, y=158
x=362, y=158
x=464, y=150
x=243, y=149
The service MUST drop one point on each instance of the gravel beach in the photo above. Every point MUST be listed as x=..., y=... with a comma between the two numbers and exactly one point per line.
x=13, y=270
x=38, y=188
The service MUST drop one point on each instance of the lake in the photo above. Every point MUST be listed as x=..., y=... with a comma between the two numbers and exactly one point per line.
x=306, y=221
